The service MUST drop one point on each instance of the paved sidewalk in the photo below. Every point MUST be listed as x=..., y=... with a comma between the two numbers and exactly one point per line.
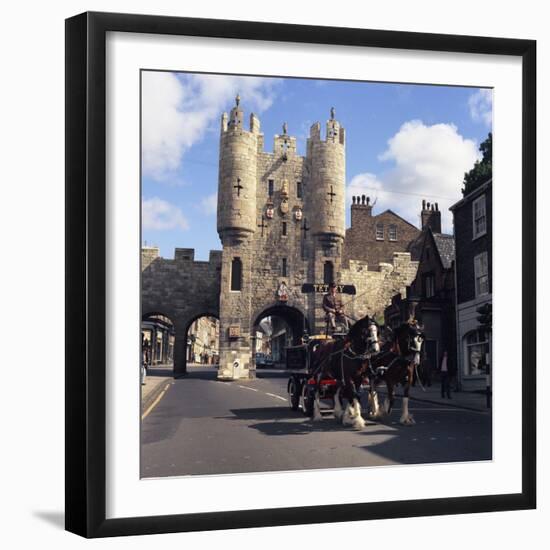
x=474, y=400
x=157, y=379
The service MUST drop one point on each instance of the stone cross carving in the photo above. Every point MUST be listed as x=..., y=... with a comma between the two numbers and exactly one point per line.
x=332, y=194
x=238, y=187
x=262, y=225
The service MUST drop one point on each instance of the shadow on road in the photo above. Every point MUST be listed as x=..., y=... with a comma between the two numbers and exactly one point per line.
x=271, y=373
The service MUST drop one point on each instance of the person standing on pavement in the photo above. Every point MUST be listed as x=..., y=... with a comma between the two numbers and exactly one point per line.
x=444, y=371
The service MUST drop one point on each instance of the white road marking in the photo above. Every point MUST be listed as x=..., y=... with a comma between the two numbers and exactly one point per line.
x=247, y=388
x=276, y=396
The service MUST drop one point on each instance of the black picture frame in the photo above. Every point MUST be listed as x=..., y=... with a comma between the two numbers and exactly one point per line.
x=86, y=273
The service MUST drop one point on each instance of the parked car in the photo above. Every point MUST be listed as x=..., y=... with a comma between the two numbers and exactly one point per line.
x=263, y=361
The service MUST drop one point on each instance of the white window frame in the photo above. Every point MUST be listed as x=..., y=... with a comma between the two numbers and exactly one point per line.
x=480, y=205
x=379, y=226
x=482, y=344
x=481, y=271
x=392, y=232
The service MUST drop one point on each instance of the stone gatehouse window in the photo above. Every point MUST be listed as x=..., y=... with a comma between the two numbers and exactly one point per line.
x=236, y=274
x=392, y=233
x=479, y=217
x=379, y=231
x=299, y=189
x=328, y=273
x=270, y=186
x=284, y=229
x=284, y=269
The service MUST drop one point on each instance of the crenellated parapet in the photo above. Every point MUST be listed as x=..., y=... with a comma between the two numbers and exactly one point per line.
x=375, y=288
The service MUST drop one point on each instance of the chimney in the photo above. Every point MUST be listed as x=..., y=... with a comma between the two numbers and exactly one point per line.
x=431, y=216
x=361, y=208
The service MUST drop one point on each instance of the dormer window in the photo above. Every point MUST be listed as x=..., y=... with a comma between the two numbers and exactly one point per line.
x=379, y=232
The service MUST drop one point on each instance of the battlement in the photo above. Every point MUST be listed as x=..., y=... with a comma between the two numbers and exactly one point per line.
x=150, y=255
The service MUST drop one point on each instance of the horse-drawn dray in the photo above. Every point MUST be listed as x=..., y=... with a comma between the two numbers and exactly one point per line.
x=302, y=382
x=340, y=366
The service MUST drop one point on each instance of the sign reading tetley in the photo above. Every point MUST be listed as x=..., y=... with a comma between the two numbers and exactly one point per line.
x=309, y=288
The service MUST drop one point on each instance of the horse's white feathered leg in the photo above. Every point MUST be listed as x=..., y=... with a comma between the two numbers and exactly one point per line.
x=317, y=408
x=406, y=417
x=374, y=404
x=358, y=422
x=338, y=412
x=347, y=419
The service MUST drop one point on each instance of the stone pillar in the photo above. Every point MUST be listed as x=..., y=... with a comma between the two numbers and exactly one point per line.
x=180, y=348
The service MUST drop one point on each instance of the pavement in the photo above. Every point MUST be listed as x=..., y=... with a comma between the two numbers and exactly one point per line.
x=159, y=378
x=472, y=400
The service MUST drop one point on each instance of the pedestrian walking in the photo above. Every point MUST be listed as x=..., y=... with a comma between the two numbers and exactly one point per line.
x=444, y=372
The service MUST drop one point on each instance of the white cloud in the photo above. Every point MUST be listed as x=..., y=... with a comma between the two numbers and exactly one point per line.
x=178, y=110
x=481, y=106
x=429, y=162
x=209, y=204
x=160, y=215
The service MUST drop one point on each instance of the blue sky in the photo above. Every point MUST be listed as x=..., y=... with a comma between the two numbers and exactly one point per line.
x=404, y=143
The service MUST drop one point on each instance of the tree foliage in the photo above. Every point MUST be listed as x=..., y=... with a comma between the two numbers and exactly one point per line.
x=482, y=170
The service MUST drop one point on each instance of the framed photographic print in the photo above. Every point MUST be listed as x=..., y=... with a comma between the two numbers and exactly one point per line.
x=290, y=297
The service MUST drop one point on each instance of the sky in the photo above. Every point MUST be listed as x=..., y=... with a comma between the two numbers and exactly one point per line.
x=404, y=143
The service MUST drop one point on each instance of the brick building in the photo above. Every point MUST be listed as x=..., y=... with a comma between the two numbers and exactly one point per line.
x=472, y=218
x=375, y=238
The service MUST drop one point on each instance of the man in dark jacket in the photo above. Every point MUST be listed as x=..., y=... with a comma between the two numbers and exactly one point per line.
x=332, y=304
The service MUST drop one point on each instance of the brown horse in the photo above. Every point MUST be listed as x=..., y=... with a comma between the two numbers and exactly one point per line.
x=346, y=361
x=396, y=365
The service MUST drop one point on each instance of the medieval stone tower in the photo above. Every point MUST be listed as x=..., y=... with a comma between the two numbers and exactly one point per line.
x=281, y=220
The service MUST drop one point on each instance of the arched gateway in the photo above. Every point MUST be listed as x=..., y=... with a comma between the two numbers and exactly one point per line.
x=281, y=222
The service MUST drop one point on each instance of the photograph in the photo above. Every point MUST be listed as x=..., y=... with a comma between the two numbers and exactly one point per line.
x=316, y=274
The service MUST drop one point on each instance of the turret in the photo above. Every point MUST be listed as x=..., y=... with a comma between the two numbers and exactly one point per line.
x=237, y=175
x=327, y=176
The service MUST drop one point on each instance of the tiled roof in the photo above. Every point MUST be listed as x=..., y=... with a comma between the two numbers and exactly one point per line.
x=446, y=248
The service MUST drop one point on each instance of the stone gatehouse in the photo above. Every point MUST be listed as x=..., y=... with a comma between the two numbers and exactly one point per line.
x=281, y=222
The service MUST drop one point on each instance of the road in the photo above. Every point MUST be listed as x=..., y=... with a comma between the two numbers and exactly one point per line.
x=202, y=426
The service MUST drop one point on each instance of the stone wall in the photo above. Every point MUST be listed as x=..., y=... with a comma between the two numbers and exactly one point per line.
x=181, y=289
x=375, y=289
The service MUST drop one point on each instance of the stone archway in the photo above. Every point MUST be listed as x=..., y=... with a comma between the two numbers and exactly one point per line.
x=188, y=326
x=291, y=316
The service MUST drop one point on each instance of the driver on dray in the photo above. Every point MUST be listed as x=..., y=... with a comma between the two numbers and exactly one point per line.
x=332, y=304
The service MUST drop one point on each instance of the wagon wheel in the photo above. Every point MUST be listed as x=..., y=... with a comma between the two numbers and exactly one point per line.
x=294, y=393
x=307, y=401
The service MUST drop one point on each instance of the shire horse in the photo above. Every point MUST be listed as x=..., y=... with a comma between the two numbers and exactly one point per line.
x=346, y=360
x=394, y=365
